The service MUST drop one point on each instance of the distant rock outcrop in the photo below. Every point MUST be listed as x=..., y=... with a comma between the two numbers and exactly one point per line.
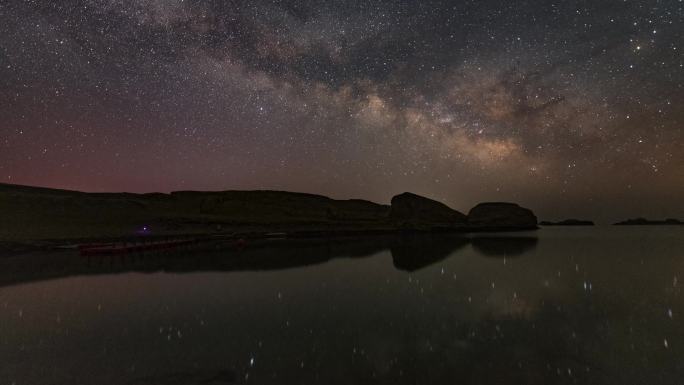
x=34, y=213
x=646, y=222
x=414, y=211
x=501, y=216
x=568, y=222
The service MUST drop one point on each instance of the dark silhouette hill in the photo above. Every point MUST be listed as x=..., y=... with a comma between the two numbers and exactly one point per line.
x=501, y=216
x=409, y=210
x=39, y=213
x=33, y=213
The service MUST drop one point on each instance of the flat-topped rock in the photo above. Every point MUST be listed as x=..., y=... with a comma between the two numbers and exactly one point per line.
x=501, y=216
x=415, y=210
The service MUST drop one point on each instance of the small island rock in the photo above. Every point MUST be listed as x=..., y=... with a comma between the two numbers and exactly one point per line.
x=648, y=222
x=413, y=210
x=501, y=216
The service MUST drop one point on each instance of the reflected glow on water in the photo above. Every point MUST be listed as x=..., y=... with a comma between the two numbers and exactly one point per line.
x=559, y=306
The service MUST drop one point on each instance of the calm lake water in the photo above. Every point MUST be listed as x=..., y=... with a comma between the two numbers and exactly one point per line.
x=596, y=305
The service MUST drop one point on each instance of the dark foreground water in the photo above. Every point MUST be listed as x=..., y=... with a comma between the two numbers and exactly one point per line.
x=559, y=306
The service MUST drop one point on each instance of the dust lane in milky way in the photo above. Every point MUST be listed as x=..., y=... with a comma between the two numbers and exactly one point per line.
x=572, y=108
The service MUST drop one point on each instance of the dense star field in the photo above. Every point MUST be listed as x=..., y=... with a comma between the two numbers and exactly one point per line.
x=572, y=108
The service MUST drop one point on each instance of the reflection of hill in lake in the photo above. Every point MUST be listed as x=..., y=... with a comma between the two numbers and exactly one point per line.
x=261, y=255
x=409, y=253
x=503, y=246
x=584, y=306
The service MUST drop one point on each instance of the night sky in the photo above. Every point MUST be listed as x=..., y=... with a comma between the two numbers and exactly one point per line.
x=571, y=108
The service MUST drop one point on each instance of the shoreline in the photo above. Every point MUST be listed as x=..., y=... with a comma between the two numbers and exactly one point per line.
x=14, y=247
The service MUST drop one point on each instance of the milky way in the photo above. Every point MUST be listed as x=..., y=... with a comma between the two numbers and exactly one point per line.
x=572, y=108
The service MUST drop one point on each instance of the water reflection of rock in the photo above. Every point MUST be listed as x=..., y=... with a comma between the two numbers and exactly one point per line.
x=393, y=332
x=257, y=256
x=411, y=253
x=504, y=246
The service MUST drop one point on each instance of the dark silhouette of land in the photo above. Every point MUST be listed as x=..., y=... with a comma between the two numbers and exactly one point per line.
x=646, y=222
x=36, y=216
